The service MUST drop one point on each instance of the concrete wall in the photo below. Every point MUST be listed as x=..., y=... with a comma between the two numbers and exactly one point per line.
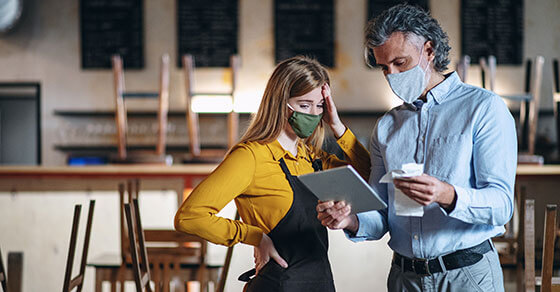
x=45, y=48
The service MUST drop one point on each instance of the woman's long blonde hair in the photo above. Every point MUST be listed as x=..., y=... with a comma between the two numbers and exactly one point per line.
x=293, y=77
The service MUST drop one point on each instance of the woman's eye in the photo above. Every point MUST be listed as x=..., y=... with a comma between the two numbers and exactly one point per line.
x=321, y=105
x=304, y=106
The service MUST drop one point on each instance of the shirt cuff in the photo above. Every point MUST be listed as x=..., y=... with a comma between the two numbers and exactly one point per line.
x=347, y=140
x=463, y=201
x=360, y=235
x=254, y=236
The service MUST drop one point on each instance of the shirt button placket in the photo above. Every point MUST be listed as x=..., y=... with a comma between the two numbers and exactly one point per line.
x=422, y=134
x=415, y=230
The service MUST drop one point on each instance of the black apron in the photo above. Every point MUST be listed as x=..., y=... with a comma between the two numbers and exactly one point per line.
x=302, y=241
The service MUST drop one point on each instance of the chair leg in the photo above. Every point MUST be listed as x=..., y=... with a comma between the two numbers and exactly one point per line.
x=15, y=271
x=166, y=279
x=98, y=281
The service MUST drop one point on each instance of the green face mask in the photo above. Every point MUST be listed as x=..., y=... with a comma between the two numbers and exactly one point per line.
x=304, y=124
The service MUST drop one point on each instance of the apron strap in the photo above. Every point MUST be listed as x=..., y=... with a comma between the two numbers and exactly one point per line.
x=285, y=168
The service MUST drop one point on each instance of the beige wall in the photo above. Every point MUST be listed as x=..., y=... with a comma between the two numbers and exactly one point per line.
x=45, y=48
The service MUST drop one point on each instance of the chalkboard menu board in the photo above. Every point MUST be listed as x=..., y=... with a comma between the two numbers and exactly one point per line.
x=111, y=27
x=304, y=27
x=375, y=7
x=492, y=28
x=208, y=30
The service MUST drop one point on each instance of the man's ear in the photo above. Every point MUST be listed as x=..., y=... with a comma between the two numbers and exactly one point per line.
x=429, y=47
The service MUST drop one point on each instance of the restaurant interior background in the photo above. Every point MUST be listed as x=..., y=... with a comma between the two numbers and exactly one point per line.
x=45, y=48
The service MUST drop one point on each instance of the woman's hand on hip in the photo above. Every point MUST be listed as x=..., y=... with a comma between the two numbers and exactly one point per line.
x=265, y=251
x=330, y=115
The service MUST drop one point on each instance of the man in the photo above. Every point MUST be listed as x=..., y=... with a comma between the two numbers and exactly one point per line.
x=464, y=136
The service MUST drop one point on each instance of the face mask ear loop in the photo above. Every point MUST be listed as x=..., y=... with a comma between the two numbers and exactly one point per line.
x=427, y=65
x=290, y=107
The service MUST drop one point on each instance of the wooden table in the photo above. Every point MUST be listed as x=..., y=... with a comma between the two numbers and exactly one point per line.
x=109, y=268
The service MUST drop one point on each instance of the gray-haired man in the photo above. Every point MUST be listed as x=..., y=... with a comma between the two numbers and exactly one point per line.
x=465, y=137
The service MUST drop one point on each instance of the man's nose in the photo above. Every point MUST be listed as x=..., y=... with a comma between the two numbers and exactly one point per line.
x=390, y=70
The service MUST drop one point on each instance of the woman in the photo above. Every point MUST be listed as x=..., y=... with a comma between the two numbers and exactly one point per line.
x=279, y=218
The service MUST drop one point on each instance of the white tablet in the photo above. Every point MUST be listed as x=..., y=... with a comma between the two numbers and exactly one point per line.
x=343, y=183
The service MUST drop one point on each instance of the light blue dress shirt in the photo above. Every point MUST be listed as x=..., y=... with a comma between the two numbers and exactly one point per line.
x=465, y=136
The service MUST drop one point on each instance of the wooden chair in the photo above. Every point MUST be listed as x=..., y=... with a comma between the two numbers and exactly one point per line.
x=70, y=283
x=546, y=281
x=530, y=101
x=556, y=100
x=488, y=72
x=136, y=237
x=176, y=253
x=165, y=262
x=3, y=274
x=462, y=67
x=196, y=153
x=11, y=279
x=172, y=255
x=159, y=156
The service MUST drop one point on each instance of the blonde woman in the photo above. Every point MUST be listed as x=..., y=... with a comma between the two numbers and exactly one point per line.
x=260, y=173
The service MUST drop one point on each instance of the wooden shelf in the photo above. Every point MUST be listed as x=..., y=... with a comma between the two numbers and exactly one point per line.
x=110, y=147
x=137, y=114
x=176, y=113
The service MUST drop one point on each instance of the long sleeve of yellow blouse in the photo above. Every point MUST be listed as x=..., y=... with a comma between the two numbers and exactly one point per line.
x=197, y=215
x=251, y=175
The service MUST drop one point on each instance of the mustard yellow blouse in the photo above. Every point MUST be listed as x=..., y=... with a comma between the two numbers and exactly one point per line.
x=251, y=175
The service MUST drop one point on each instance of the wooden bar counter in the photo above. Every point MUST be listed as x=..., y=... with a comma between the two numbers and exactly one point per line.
x=60, y=178
x=180, y=178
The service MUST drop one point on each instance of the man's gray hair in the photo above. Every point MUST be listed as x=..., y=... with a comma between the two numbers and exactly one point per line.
x=409, y=20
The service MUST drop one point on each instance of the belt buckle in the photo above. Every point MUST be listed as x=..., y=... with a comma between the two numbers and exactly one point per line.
x=421, y=267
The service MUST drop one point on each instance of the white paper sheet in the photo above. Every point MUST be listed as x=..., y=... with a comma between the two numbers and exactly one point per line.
x=405, y=206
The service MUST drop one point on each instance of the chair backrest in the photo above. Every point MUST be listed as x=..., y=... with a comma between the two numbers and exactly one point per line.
x=462, y=67
x=534, y=104
x=3, y=274
x=549, y=239
x=69, y=282
x=529, y=245
x=127, y=192
x=120, y=106
x=136, y=241
x=158, y=241
x=488, y=72
x=556, y=98
x=530, y=99
x=192, y=117
x=11, y=278
x=164, y=248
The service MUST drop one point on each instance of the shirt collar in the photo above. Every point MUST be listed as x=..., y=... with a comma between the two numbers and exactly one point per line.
x=441, y=91
x=279, y=152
